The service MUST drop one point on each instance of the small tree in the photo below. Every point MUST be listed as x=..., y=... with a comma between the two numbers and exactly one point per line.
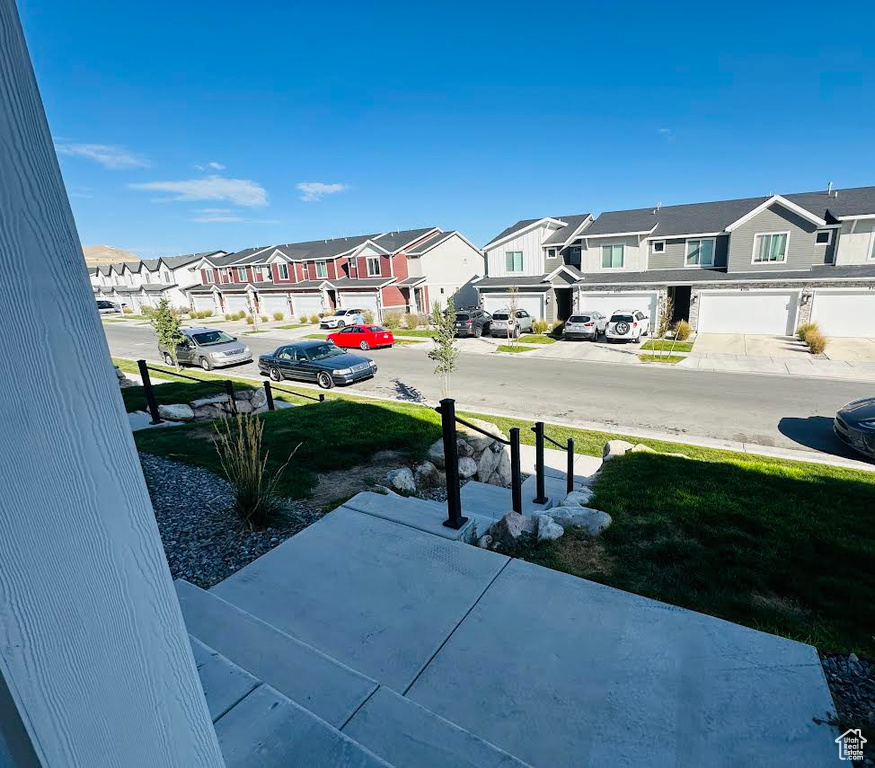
x=445, y=352
x=664, y=322
x=167, y=328
x=512, y=323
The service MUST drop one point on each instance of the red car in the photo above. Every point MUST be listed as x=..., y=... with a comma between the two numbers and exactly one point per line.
x=362, y=336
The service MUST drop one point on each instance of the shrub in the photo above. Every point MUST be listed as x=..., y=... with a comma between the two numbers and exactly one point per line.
x=128, y=310
x=265, y=319
x=424, y=321
x=240, y=315
x=682, y=330
x=539, y=326
x=302, y=319
x=249, y=320
x=804, y=329
x=240, y=445
x=816, y=342
x=410, y=321
x=207, y=313
x=229, y=316
x=314, y=318
x=278, y=316
x=392, y=320
x=368, y=317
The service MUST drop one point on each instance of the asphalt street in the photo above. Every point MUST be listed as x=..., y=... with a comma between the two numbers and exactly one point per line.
x=781, y=411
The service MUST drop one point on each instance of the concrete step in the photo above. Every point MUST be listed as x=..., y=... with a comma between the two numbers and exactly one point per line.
x=428, y=516
x=225, y=684
x=324, y=686
x=404, y=733
x=492, y=501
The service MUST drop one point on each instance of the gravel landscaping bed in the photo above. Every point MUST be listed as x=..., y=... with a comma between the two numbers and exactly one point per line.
x=852, y=684
x=204, y=541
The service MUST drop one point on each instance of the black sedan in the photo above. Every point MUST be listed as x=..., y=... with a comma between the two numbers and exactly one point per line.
x=319, y=361
x=854, y=425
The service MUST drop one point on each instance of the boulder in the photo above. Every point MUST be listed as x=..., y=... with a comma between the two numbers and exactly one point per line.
x=243, y=406
x=487, y=464
x=548, y=530
x=503, y=468
x=578, y=498
x=258, y=398
x=614, y=448
x=402, y=480
x=476, y=440
x=507, y=531
x=176, y=412
x=436, y=453
x=641, y=448
x=427, y=475
x=213, y=400
x=484, y=541
x=467, y=468
x=464, y=448
x=591, y=521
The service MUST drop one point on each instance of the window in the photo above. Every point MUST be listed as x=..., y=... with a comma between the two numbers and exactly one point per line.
x=551, y=253
x=613, y=256
x=770, y=248
x=241, y=274
x=283, y=271
x=700, y=253
x=872, y=247
x=208, y=275
x=658, y=246
x=322, y=269
x=166, y=275
x=824, y=237
x=373, y=265
x=513, y=261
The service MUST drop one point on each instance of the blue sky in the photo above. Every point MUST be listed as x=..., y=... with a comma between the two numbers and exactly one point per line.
x=190, y=126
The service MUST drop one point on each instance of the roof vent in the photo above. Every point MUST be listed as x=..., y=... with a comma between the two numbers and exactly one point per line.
x=829, y=189
x=656, y=210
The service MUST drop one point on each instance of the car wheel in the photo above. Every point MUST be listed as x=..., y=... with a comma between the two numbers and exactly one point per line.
x=206, y=364
x=478, y=332
x=364, y=345
x=275, y=374
x=168, y=360
x=341, y=324
x=324, y=380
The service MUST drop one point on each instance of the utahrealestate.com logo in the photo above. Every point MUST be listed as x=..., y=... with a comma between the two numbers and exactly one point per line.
x=851, y=744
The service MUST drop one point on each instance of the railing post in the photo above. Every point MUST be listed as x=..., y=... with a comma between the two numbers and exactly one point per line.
x=516, y=480
x=149, y=392
x=321, y=398
x=540, y=496
x=269, y=394
x=569, y=469
x=232, y=403
x=451, y=465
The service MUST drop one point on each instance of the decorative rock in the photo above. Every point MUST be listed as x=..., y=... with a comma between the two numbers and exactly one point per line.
x=467, y=468
x=591, y=521
x=383, y=490
x=578, y=498
x=176, y=412
x=464, y=449
x=476, y=440
x=258, y=398
x=507, y=531
x=436, y=453
x=640, y=448
x=503, y=468
x=213, y=400
x=402, y=480
x=548, y=530
x=484, y=541
x=243, y=406
x=427, y=475
x=614, y=448
x=487, y=465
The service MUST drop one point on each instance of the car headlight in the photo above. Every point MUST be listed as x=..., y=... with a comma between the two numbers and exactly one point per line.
x=344, y=371
x=246, y=350
x=372, y=364
x=868, y=423
x=215, y=354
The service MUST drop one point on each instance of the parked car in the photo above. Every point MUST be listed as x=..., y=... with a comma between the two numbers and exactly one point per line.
x=521, y=323
x=319, y=361
x=105, y=307
x=854, y=425
x=209, y=348
x=472, y=322
x=627, y=325
x=363, y=337
x=343, y=317
x=585, y=325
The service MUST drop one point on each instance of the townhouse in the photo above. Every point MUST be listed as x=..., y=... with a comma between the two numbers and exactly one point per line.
x=143, y=283
x=402, y=271
x=754, y=265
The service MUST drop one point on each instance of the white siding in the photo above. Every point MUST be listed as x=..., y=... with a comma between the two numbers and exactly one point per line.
x=856, y=248
x=607, y=303
x=635, y=256
x=449, y=266
x=529, y=243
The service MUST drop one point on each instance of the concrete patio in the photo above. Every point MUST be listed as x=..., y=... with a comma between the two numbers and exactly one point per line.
x=526, y=662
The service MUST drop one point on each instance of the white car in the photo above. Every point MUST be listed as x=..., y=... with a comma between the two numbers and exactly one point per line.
x=342, y=318
x=108, y=308
x=627, y=325
x=585, y=325
x=502, y=323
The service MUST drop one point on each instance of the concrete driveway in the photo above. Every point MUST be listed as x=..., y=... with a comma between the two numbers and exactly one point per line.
x=748, y=345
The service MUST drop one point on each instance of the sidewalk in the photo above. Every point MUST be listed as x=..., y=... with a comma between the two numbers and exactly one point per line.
x=809, y=367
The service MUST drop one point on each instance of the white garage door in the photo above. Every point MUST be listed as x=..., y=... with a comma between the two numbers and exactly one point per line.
x=608, y=303
x=845, y=313
x=204, y=301
x=273, y=302
x=771, y=313
x=307, y=304
x=359, y=301
x=532, y=303
x=236, y=302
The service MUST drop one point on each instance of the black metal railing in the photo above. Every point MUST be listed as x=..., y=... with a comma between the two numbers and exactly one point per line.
x=269, y=388
x=540, y=438
x=447, y=410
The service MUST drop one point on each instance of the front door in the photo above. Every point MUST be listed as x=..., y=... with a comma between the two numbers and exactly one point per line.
x=680, y=297
x=563, y=304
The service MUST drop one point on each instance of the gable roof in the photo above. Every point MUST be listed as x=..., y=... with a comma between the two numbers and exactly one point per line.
x=563, y=235
x=395, y=241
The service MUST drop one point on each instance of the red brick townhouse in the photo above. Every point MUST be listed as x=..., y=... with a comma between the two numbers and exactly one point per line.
x=393, y=271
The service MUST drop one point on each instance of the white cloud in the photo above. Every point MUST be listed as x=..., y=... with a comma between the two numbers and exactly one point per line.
x=316, y=190
x=226, y=216
x=666, y=133
x=115, y=157
x=211, y=166
x=237, y=191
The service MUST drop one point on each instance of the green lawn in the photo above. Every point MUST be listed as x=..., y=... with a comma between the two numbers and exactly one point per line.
x=320, y=336
x=427, y=333
x=786, y=548
x=291, y=326
x=668, y=345
x=173, y=392
x=668, y=359
x=513, y=350
x=536, y=338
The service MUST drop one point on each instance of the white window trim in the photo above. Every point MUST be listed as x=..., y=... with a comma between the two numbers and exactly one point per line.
x=325, y=265
x=522, y=268
x=280, y=267
x=602, y=266
x=368, y=266
x=244, y=278
x=823, y=231
x=208, y=275
x=753, y=255
x=654, y=243
x=713, y=252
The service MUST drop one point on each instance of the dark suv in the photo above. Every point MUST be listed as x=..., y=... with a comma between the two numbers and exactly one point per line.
x=472, y=322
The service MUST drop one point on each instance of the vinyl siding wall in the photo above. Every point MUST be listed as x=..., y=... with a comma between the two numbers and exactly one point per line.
x=635, y=257
x=530, y=244
x=855, y=248
x=801, y=250
x=450, y=264
x=675, y=253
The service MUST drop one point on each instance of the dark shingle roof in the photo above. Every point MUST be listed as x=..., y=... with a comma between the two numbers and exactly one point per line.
x=174, y=262
x=319, y=249
x=522, y=224
x=430, y=242
x=561, y=235
x=364, y=282
x=858, y=201
x=395, y=241
x=525, y=281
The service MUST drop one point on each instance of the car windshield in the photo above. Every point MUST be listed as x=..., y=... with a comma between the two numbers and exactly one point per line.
x=376, y=328
x=104, y=304
x=461, y=317
x=578, y=319
x=323, y=351
x=500, y=316
x=621, y=318
x=208, y=338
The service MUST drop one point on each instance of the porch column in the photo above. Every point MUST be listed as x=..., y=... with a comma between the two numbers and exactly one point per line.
x=414, y=307
x=95, y=666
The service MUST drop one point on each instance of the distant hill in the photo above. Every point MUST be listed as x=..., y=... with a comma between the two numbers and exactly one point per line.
x=106, y=254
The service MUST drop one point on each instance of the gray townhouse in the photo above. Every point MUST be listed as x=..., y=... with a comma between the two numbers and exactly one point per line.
x=755, y=265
